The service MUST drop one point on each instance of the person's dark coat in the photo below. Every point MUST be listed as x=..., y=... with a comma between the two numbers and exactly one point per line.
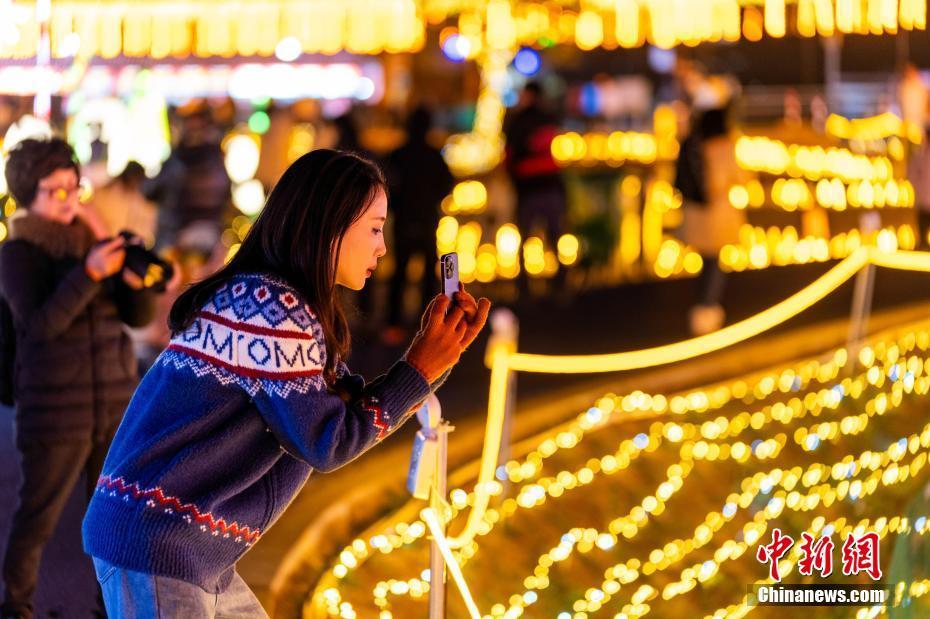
x=75, y=370
x=192, y=186
x=419, y=179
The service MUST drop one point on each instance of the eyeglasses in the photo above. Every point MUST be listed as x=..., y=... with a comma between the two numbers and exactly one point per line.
x=61, y=193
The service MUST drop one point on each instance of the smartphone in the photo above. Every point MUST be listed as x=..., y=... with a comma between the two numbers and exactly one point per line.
x=449, y=274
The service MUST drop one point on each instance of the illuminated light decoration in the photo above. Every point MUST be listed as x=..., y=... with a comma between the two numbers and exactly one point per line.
x=504, y=362
x=589, y=100
x=628, y=32
x=761, y=154
x=446, y=234
x=728, y=336
x=879, y=127
x=760, y=248
x=366, y=89
x=807, y=19
x=775, y=18
x=26, y=127
x=534, y=256
x=527, y=62
x=470, y=28
x=226, y=28
x=24, y=81
x=595, y=417
x=289, y=82
x=133, y=131
x=217, y=29
x=568, y=249
x=739, y=197
x=259, y=122
x=576, y=536
x=432, y=521
x=249, y=197
x=288, y=49
x=242, y=157
x=70, y=45
x=589, y=30
x=468, y=197
x=456, y=48
x=284, y=82
x=508, y=241
x=608, y=148
x=480, y=150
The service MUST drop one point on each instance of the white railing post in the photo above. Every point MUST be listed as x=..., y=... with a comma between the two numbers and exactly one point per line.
x=427, y=480
x=437, y=565
x=862, y=295
x=505, y=330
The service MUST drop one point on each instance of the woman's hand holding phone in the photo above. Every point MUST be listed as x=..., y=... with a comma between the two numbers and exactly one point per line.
x=443, y=337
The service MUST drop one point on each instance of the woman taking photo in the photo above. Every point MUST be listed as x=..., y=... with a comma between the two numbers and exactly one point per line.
x=75, y=371
x=252, y=395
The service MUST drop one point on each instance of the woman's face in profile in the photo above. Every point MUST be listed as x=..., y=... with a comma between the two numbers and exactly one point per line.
x=57, y=196
x=362, y=246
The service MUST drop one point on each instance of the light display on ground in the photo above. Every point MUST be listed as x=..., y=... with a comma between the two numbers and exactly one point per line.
x=803, y=445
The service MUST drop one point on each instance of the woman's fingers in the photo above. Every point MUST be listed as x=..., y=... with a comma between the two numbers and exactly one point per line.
x=467, y=303
x=436, y=311
x=475, y=326
x=454, y=317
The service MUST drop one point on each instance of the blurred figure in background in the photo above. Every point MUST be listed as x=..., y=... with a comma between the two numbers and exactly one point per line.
x=918, y=173
x=419, y=179
x=122, y=206
x=913, y=96
x=70, y=299
x=347, y=132
x=705, y=171
x=536, y=176
x=192, y=189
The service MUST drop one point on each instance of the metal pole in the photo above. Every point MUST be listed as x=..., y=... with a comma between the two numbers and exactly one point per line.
x=437, y=566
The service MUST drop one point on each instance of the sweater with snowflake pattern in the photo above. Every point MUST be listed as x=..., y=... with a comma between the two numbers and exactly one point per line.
x=225, y=429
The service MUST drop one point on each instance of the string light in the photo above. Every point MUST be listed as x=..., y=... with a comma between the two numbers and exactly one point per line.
x=760, y=248
x=223, y=29
x=889, y=350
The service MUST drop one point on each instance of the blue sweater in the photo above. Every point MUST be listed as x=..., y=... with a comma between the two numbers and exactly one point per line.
x=225, y=429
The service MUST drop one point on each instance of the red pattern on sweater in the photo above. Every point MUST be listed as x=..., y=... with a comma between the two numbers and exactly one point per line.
x=159, y=497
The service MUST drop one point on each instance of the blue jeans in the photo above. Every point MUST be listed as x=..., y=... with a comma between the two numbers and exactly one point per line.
x=134, y=595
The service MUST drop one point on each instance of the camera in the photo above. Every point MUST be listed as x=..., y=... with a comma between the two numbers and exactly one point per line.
x=153, y=271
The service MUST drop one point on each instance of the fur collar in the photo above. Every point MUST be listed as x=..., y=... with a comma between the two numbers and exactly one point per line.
x=59, y=240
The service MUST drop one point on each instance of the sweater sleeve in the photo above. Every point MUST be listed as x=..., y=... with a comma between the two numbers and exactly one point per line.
x=328, y=432
x=261, y=335
x=42, y=313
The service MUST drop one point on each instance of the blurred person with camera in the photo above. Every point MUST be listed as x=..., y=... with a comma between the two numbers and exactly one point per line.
x=69, y=364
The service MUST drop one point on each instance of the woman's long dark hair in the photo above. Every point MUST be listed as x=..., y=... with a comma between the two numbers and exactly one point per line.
x=297, y=237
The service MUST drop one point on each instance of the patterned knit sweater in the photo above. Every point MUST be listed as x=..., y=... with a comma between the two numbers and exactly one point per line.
x=225, y=429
